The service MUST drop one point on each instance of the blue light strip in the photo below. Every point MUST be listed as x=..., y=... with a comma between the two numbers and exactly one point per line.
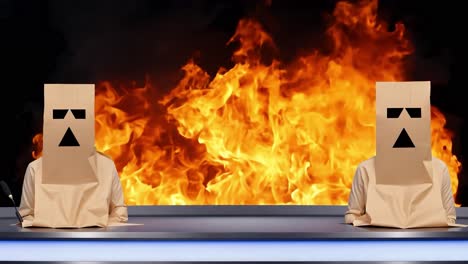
x=437, y=250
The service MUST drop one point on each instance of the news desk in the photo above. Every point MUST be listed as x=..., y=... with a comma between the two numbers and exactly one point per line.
x=308, y=234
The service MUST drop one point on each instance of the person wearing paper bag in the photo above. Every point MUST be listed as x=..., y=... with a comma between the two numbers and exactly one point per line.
x=403, y=186
x=71, y=185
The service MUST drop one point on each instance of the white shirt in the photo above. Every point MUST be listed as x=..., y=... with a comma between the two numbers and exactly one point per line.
x=358, y=194
x=117, y=208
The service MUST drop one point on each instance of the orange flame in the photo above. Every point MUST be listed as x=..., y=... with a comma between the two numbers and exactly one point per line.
x=261, y=133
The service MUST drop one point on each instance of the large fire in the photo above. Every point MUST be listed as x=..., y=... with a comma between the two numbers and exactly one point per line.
x=260, y=132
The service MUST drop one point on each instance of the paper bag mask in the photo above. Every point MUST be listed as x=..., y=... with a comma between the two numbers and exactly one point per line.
x=403, y=133
x=68, y=134
x=67, y=192
x=402, y=192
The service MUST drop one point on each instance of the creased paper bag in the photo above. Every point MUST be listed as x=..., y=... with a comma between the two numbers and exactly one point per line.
x=403, y=192
x=68, y=193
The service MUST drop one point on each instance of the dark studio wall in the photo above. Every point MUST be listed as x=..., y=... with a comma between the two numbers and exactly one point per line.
x=90, y=41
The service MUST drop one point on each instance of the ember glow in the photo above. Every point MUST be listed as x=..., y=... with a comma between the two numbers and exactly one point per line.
x=260, y=133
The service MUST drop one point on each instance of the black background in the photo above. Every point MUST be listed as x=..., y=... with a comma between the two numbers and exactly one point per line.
x=90, y=41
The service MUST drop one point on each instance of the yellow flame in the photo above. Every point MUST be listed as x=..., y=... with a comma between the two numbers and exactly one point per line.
x=261, y=133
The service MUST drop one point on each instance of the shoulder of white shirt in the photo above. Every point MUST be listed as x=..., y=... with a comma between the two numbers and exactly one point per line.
x=104, y=154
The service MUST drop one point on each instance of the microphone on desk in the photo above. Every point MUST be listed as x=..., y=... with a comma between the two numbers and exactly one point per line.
x=7, y=192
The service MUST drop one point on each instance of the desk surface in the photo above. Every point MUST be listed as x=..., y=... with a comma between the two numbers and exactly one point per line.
x=232, y=228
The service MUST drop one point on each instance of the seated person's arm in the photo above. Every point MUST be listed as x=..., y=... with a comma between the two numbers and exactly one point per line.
x=117, y=208
x=357, y=198
x=447, y=197
x=26, y=208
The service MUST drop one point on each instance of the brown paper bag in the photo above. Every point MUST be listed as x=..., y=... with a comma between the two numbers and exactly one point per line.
x=402, y=192
x=69, y=193
x=403, y=133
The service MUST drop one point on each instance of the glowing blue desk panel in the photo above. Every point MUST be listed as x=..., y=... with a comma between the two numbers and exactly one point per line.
x=233, y=238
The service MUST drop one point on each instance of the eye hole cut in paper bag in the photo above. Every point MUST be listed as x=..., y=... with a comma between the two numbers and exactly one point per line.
x=402, y=191
x=68, y=192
